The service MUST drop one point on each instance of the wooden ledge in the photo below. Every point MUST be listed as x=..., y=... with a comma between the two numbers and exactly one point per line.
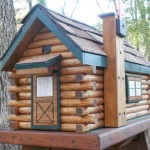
x=94, y=140
x=50, y=139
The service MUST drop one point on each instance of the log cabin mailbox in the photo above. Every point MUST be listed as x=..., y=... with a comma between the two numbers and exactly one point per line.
x=62, y=74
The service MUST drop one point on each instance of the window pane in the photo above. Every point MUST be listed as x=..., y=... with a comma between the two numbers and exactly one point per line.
x=132, y=92
x=138, y=84
x=44, y=86
x=131, y=84
x=138, y=92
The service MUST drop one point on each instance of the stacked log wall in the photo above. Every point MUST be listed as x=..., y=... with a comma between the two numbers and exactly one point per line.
x=141, y=108
x=81, y=89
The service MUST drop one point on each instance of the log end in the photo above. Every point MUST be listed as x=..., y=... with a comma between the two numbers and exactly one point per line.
x=79, y=128
x=14, y=110
x=79, y=78
x=79, y=111
x=79, y=94
x=14, y=125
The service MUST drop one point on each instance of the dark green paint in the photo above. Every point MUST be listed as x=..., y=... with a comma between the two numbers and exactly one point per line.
x=95, y=60
x=22, y=32
x=52, y=26
x=48, y=63
x=84, y=57
x=133, y=67
x=127, y=88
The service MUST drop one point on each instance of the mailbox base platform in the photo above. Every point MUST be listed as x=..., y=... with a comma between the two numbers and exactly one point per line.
x=94, y=140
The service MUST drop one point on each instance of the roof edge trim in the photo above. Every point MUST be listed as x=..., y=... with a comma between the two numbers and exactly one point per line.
x=137, y=68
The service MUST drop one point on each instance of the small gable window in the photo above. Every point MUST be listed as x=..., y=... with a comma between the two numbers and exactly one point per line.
x=134, y=88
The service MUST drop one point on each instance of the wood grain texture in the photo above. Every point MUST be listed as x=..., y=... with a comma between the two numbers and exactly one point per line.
x=114, y=75
x=50, y=139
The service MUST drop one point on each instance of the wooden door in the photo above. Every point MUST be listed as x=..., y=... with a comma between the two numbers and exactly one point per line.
x=45, y=105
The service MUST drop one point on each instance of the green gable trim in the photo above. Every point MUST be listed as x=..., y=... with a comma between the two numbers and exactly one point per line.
x=75, y=49
x=18, y=38
x=83, y=57
x=95, y=60
x=52, y=26
x=133, y=67
x=48, y=63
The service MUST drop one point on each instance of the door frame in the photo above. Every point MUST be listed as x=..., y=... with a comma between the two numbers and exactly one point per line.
x=47, y=127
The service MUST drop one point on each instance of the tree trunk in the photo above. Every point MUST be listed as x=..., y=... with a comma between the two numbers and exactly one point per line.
x=7, y=32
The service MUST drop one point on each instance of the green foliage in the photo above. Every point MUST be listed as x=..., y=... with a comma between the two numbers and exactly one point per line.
x=42, y=2
x=137, y=17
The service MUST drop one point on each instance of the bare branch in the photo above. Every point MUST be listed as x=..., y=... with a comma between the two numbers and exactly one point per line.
x=75, y=6
x=99, y=6
x=115, y=4
x=63, y=7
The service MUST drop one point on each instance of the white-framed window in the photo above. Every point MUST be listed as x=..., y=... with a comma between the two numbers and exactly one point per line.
x=133, y=88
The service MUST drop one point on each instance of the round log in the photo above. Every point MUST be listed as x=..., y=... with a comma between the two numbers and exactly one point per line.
x=68, y=111
x=69, y=79
x=59, y=49
x=79, y=78
x=24, y=125
x=81, y=86
x=80, y=128
x=130, y=116
x=81, y=70
x=145, y=92
x=81, y=111
x=38, y=51
x=24, y=96
x=13, y=75
x=25, y=81
x=89, y=94
x=145, y=87
x=19, y=89
x=70, y=63
x=44, y=36
x=137, y=109
x=68, y=127
x=145, y=77
x=92, y=118
x=145, y=97
x=25, y=118
x=89, y=78
x=142, y=113
x=145, y=82
x=143, y=102
x=78, y=103
x=137, y=114
x=33, y=52
x=25, y=110
x=90, y=102
x=52, y=41
x=22, y=103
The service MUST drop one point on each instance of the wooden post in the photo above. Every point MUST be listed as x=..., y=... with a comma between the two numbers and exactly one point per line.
x=147, y=138
x=114, y=74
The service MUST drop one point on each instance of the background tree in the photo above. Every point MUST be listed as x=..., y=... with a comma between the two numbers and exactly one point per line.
x=137, y=16
x=42, y=2
x=7, y=30
x=66, y=3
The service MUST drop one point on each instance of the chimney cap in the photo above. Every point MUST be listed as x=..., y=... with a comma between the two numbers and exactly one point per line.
x=106, y=15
